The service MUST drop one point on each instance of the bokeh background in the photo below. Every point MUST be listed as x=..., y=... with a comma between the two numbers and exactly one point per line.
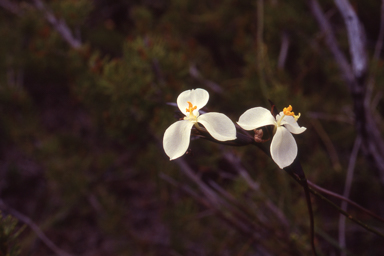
x=84, y=87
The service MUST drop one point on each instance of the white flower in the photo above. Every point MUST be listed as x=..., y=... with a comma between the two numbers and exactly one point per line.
x=283, y=145
x=176, y=137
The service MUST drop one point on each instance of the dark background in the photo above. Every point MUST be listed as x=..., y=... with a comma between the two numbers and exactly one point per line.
x=82, y=117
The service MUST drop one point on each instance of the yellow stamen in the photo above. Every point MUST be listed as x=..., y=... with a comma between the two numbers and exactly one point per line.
x=191, y=107
x=288, y=112
x=191, y=117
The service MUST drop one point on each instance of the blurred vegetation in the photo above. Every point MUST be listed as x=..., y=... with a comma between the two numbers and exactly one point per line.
x=8, y=235
x=81, y=129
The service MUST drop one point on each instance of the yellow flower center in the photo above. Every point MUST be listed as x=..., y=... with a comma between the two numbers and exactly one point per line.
x=191, y=116
x=286, y=112
x=191, y=107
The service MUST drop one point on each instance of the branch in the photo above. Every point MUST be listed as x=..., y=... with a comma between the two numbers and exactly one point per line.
x=347, y=214
x=236, y=164
x=195, y=73
x=205, y=201
x=331, y=41
x=338, y=208
x=356, y=38
x=233, y=222
x=60, y=25
x=35, y=228
x=365, y=124
x=11, y=7
x=283, y=50
x=210, y=195
x=335, y=195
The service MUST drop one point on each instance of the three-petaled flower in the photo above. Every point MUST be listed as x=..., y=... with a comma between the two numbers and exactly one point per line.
x=177, y=136
x=283, y=145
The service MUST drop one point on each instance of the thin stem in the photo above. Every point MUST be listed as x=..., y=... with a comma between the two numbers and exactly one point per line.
x=380, y=39
x=327, y=143
x=340, y=210
x=347, y=189
x=347, y=214
x=296, y=171
x=375, y=58
x=333, y=194
x=310, y=211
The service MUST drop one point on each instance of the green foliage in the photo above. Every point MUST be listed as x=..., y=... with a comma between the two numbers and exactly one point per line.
x=75, y=13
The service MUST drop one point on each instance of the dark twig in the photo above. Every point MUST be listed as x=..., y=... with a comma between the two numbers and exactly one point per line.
x=335, y=195
x=296, y=171
x=340, y=210
x=347, y=214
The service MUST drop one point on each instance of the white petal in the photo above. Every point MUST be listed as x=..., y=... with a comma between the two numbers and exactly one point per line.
x=198, y=97
x=283, y=147
x=176, y=139
x=279, y=115
x=291, y=124
x=256, y=117
x=218, y=125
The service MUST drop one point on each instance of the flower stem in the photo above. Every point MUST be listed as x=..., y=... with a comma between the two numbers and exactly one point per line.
x=337, y=207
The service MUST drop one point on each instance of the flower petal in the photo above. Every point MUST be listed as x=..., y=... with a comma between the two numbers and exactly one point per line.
x=291, y=124
x=283, y=147
x=256, y=117
x=218, y=125
x=198, y=97
x=176, y=139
